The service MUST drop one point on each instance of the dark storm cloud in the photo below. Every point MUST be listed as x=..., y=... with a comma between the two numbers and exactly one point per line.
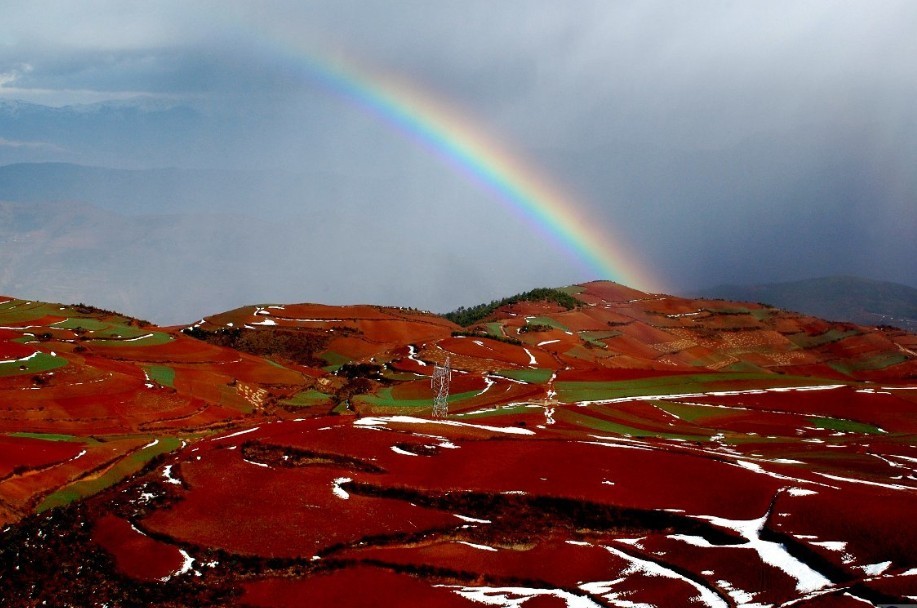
x=727, y=141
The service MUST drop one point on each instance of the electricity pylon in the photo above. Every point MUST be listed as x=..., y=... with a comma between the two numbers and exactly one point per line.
x=442, y=376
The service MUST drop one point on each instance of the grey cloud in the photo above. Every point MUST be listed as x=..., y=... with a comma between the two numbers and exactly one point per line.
x=725, y=141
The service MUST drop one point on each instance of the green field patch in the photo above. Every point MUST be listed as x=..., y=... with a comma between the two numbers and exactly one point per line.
x=334, y=360
x=230, y=397
x=124, y=468
x=546, y=321
x=149, y=338
x=396, y=376
x=572, y=290
x=876, y=362
x=307, y=398
x=17, y=311
x=273, y=363
x=118, y=331
x=42, y=362
x=52, y=437
x=744, y=367
x=495, y=329
x=575, y=391
x=762, y=314
x=595, y=337
x=730, y=310
x=384, y=399
x=846, y=426
x=532, y=376
x=162, y=374
x=607, y=426
x=81, y=323
x=804, y=340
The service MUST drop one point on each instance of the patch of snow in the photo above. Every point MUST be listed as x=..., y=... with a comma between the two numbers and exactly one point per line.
x=546, y=342
x=831, y=545
x=80, y=455
x=488, y=383
x=751, y=466
x=706, y=595
x=514, y=597
x=150, y=444
x=774, y=554
x=473, y=520
x=23, y=359
x=742, y=598
x=412, y=355
x=876, y=569
x=532, y=360
x=384, y=420
x=800, y=492
x=143, y=337
x=167, y=475
x=482, y=547
x=695, y=541
x=398, y=450
x=257, y=464
x=185, y=567
x=338, y=490
x=889, y=486
x=236, y=434
x=265, y=322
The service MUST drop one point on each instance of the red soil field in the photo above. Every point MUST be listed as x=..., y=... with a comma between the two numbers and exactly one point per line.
x=752, y=497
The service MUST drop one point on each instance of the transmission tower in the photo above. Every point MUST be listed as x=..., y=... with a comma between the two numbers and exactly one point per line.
x=442, y=376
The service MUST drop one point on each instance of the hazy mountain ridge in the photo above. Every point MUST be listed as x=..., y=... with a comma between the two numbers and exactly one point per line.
x=840, y=298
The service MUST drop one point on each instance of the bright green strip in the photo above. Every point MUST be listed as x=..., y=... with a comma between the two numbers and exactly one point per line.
x=875, y=362
x=533, y=376
x=162, y=374
x=335, y=360
x=42, y=362
x=384, y=399
x=606, y=426
x=668, y=385
x=127, y=466
x=496, y=330
x=572, y=290
x=119, y=331
x=52, y=437
x=847, y=426
x=596, y=337
x=81, y=323
x=832, y=335
x=307, y=398
x=546, y=321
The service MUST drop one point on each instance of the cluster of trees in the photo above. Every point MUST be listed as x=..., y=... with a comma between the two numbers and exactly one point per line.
x=299, y=346
x=485, y=336
x=469, y=316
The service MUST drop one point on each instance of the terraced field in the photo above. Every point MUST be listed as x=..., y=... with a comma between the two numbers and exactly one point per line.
x=636, y=450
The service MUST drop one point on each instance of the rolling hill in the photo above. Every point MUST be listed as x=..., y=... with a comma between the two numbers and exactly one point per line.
x=603, y=447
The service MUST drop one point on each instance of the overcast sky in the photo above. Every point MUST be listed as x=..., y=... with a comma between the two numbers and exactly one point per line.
x=723, y=141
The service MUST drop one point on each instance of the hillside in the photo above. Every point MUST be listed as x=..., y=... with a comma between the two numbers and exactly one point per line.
x=852, y=299
x=652, y=449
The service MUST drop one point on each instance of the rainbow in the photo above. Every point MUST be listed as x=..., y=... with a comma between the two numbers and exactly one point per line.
x=464, y=146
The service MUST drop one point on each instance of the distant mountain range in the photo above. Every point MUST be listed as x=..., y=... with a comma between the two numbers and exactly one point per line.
x=861, y=301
